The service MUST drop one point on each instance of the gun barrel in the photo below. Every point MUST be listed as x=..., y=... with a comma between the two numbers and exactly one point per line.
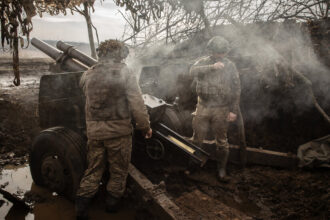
x=56, y=54
x=76, y=54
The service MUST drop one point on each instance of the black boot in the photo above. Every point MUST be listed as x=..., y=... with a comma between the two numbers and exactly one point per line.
x=82, y=204
x=112, y=203
x=222, y=155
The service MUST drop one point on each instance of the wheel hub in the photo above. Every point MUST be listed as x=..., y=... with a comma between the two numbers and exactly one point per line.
x=155, y=149
x=53, y=173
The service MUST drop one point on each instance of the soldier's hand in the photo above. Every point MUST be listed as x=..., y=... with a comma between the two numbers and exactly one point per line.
x=219, y=65
x=148, y=134
x=231, y=117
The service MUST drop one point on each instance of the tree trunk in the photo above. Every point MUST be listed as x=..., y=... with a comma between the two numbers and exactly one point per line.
x=206, y=21
x=90, y=31
x=17, y=80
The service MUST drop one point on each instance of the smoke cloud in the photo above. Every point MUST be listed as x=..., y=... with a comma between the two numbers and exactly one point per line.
x=268, y=57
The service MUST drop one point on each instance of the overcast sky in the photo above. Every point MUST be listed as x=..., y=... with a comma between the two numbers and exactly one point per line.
x=106, y=19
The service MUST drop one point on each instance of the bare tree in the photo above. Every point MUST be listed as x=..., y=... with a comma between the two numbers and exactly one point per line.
x=181, y=19
x=86, y=12
x=16, y=18
x=16, y=22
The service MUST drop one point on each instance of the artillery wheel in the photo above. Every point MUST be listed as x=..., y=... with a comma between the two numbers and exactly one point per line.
x=58, y=160
x=171, y=119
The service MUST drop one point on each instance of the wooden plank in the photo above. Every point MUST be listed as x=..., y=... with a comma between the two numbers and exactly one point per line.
x=154, y=196
x=257, y=156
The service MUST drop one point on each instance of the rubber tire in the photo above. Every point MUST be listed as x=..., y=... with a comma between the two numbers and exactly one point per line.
x=71, y=151
x=171, y=118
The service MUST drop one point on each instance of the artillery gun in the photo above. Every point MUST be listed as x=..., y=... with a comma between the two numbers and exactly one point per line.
x=58, y=154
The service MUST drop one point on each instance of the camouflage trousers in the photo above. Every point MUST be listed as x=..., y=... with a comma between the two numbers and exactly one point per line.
x=115, y=151
x=213, y=119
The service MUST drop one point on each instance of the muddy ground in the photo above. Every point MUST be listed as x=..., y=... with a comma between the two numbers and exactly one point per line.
x=252, y=193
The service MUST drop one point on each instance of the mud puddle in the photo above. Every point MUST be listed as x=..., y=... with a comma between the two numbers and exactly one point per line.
x=43, y=204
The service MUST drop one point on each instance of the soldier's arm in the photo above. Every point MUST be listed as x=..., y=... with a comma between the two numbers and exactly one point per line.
x=136, y=103
x=82, y=82
x=199, y=68
x=235, y=88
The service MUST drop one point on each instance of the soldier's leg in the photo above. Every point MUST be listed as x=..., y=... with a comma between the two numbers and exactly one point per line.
x=96, y=159
x=219, y=128
x=91, y=179
x=200, y=128
x=200, y=125
x=119, y=157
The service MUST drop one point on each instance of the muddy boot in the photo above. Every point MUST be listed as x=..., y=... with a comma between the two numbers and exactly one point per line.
x=222, y=165
x=82, y=204
x=112, y=203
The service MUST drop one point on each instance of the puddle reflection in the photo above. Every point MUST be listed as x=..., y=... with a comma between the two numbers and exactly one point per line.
x=18, y=181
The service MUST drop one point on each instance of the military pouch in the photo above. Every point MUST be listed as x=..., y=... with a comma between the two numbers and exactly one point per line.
x=213, y=91
x=202, y=92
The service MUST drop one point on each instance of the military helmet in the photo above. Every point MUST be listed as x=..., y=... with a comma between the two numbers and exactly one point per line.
x=112, y=49
x=218, y=44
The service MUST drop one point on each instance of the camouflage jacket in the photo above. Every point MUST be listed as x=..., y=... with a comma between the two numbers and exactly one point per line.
x=217, y=87
x=112, y=97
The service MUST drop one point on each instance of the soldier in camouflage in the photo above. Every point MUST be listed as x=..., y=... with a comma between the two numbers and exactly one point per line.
x=112, y=96
x=218, y=89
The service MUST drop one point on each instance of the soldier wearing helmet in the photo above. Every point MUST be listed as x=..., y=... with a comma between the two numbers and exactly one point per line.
x=112, y=96
x=218, y=89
